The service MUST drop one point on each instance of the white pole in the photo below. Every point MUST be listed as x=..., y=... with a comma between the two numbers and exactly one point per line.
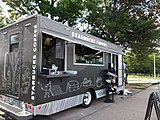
x=154, y=66
x=123, y=71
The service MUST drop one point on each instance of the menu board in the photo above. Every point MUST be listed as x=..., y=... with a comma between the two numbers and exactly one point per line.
x=153, y=100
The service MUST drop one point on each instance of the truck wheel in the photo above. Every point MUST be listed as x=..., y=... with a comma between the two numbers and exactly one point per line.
x=87, y=99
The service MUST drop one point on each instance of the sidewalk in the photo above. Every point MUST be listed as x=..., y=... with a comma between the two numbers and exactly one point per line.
x=131, y=108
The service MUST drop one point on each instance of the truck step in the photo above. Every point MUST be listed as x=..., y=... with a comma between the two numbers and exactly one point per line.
x=14, y=111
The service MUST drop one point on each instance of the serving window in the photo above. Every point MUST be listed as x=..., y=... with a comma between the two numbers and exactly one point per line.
x=52, y=52
x=86, y=55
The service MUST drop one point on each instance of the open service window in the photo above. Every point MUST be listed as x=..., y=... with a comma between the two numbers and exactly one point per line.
x=86, y=55
x=52, y=52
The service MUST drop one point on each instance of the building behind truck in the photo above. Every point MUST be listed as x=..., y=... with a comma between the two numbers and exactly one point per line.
x=47, y=67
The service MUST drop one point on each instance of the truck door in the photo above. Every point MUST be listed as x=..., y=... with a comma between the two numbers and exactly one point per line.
x=120, y=70
x=12, y=63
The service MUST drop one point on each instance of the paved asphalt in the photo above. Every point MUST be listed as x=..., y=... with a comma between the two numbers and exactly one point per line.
x=132, y=107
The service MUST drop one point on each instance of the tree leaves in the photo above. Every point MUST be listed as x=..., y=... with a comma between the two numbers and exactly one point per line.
x=131, y=24
x=1, y=18
x=128, y=23
x=69, y=11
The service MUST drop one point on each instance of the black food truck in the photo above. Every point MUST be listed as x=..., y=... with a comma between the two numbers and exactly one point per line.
x=47, y=67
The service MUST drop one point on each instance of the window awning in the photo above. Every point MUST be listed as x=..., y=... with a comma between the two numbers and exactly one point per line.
x=107, y=47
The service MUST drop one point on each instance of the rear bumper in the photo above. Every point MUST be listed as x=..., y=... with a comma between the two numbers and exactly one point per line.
x=15, y=112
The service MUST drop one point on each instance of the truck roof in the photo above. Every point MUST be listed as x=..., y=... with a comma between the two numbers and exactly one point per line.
x=69, y=28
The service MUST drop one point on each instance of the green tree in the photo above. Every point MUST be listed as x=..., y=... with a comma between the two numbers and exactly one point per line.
x=132, y=24
x=1, y=18
x=60, y=10
x=146, y=66
x=158, y=64
x=69, y=11
x=29, y=7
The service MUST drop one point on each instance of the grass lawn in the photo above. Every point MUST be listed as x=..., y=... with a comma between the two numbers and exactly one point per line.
x=141, y=76
x=142, y=86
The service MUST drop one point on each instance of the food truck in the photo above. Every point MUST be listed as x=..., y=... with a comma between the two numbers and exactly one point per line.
x=48, y=67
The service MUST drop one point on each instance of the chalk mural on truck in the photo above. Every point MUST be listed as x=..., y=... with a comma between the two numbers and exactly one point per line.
x=26, y=79
x=50, y=90
x=11, y=75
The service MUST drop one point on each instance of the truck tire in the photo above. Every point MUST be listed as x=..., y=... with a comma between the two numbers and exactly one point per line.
x=87, y=99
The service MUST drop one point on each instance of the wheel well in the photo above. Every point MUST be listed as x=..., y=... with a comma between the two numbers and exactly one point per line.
x=93, y=92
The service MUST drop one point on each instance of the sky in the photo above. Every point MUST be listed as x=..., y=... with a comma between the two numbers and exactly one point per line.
x=4, y=8
x=2, y=4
